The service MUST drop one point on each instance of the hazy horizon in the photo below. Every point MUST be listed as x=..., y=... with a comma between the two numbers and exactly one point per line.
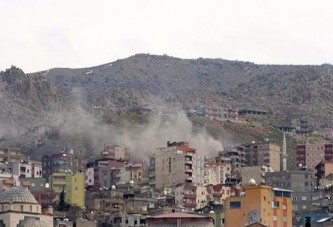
x=39, y=35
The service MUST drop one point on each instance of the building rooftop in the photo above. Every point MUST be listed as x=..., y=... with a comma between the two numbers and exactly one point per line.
x=17, y=195
x=179, y=215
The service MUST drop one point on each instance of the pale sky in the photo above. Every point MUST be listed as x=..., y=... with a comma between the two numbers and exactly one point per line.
x=41, y=34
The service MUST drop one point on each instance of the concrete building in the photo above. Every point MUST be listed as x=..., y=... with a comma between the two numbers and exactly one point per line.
x=75, y=189
x=177, y=164
x=254, y=172
x=259, y=204
x=180, y=219
x=302, y=185
x=323, y=170
x=109, y=201
x=261, y=154
x=18, y=207
x=10, y=154
x=61, y=163
x=97, y=171
x=23, y=169
x=216, y=172
x=72, y=183
x=311, y=154
x=115, y=152
x=217, y=194
x=191, y=197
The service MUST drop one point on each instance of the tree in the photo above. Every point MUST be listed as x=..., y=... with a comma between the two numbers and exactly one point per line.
x=62, y=205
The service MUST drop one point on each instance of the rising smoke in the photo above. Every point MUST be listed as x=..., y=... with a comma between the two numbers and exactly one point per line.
x=87, y=134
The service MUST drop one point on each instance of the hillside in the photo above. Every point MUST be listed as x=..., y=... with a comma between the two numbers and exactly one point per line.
x=26, y=100
x=152, y=79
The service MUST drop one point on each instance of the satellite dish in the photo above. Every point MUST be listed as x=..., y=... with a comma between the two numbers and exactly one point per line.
x=252, y=182
x=113, y=187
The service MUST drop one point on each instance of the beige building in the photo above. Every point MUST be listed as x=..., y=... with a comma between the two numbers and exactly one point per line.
x=10, y=154
x=218, y=193
x=259, y=154
x=18, y=207
x=254, y=172
x=177, y=164
x=191, y=197
x=216, y=172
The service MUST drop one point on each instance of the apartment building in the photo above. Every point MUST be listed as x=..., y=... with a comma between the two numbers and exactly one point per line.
x=177, y=163
x=260, y=204
x=259, y=154
x=24, y=169
x=216, y=172
x=217, y=193
x=311, y=154
x=61, y=163
x=191, y=197
x=98, y=171
x=10, y=154
x=72, y=183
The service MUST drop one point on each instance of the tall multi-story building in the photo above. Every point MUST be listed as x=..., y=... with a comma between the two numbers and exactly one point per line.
x=259, y=154
x=61, y=163
x=302, y=184
x=191, y=197
x=311, y=154
x=259, y=204
x=75, y=189
x=177, y=163
x=73, y=185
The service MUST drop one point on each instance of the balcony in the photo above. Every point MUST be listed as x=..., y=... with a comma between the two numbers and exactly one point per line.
x=188, y=161
x=188, y=170
x=190, y=196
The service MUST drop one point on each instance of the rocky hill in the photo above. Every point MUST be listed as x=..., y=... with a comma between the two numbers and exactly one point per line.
x=144, y=80
x=26, y=100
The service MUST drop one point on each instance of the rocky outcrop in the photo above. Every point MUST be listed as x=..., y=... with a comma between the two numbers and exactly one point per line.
x=26, y=99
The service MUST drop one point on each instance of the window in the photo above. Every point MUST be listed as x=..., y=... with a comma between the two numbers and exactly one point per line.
x=284, y=206
x=21, y=208
x=303, y=198
x=235, y=204
x=275, y=204
x=304, y=207
x=284, y=218
x=274, y=218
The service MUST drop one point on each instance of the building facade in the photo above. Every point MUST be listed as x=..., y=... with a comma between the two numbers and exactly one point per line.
x=61, y=163
x=191, y=197
x=259, y=204
x=259, y=154
x=177, y=164
x=311, y=154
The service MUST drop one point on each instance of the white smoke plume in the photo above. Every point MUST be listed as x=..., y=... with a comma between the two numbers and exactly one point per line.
x=84, y=132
